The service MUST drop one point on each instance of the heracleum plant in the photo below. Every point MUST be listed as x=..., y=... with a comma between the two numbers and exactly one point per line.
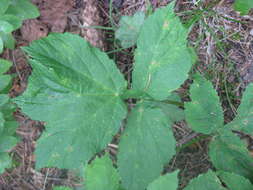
x=79, y=93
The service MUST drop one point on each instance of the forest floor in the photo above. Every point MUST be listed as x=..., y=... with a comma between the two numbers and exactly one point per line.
x=221, y=37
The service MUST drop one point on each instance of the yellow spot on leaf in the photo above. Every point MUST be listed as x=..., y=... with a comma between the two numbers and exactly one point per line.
x=245, y=122
x=166, y=25
x=69, y=149
x=55, y=155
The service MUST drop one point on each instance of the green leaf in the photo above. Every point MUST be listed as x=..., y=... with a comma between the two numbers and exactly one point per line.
x=234, y=181
x=244, y=118
x=8, y=40
x=204, y=113
x=101, y=174
x=5, y=162
x=13, y=20
x=7, y=110
x=10, y=127
x=4, y=81
x=1, y=45
x=129, y=29
x=75, y=89
x=4, y=98
x=4, y=5
x=2, y=120
x=228, y=153
x=159, y=66
x=243, y=6
x=168, y=181
x=5, y=27
x=7, y=122
x=172, y=111
x=147, y=130
x=62, y=188
x=4, y=66
x=23, y=9
x=6, y=143
x=207, y=181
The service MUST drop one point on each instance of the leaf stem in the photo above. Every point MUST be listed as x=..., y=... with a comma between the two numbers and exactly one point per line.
x=132, y=93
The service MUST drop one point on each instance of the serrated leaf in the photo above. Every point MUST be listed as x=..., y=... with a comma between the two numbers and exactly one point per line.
x=13, y=20
x=23, y=9
x=101, y=174
x=4, y=66
x=244, y=118
x=5, y=162
x=243, y=6
x=228, y=153
x=75, y=89
x=62, y=188
x=204, y=113
x=165, y=182
x=147, y=130
x=207, y=181
x=159, y=66
x=4, y=6
x=129, y=29
x=234, y=181
x=5, y=27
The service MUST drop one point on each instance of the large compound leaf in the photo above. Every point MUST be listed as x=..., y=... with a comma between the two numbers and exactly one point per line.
x=101, y=174
x=207, y=181
x=244, y=118
x=23, y=9
x=76, y=90
x=129, y=29
x=168, y=181
x=146, y=145
x=228, y=153
x=234, y=181
x=243, y=6
x=162, y=58
x=204, y=113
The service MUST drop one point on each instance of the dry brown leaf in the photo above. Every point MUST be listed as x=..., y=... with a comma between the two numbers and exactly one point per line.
x=33, y=30
x=54, y=13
